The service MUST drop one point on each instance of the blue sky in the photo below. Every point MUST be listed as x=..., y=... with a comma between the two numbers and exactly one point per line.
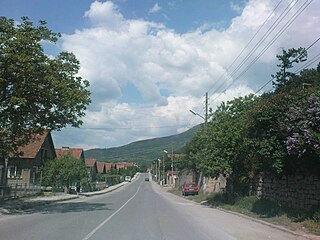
x=150, y=61
x=180, y=15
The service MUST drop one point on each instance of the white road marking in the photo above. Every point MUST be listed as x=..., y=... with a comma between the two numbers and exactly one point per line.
x=108, y=219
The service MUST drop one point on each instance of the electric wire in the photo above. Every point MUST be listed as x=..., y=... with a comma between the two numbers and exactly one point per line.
x=291, y=20
x=249, y=42
x=307, y=64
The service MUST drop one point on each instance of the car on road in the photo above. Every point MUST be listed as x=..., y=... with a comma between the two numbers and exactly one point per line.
x=190, y=189
x=127, y=179
x=146, y=179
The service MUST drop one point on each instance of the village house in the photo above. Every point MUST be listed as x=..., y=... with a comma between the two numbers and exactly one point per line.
x=24, y=169
x=76, y=153
x=91, y=164
x=108, y=166
x=101, y=166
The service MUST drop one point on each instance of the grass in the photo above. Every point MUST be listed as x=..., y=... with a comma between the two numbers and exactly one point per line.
x=266, y=210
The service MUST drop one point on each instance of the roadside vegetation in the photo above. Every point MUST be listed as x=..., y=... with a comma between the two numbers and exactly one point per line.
x=263, y=209
x=275, y=134
x=64, y=172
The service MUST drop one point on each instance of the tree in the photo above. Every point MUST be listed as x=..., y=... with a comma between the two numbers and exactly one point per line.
x=63, y=172
x=287, y=59
x=36, y=92
x=220, y=147
x=284, y=131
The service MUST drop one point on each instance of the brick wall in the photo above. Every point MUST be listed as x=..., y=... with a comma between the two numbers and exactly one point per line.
x=297, y=192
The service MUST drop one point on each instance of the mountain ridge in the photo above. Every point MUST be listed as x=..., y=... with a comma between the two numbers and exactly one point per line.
x=143, y=151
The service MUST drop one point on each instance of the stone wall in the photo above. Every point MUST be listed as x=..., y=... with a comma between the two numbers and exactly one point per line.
x=185, y=176
x=214, y=184
x=297, y=192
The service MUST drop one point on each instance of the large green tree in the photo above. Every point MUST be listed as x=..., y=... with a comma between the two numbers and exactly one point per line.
x=63, y=172
x=36, y=92
x=220, y=148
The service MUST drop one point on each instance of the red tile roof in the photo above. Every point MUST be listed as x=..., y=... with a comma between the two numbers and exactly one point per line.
x=90, y=162
x=30, y=150
x=120, y=165
x=74, y=152
x=108, y=166
x=101, y=167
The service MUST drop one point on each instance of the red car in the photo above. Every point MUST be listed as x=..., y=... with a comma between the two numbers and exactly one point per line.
x=190, y=189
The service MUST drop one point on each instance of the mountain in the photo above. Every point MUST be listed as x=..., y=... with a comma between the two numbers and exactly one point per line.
x=143, y=151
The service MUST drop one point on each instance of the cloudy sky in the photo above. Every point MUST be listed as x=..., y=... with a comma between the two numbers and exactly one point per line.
x=150, y=61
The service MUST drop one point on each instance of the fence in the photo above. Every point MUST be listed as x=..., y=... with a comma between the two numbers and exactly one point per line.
x=18, y=190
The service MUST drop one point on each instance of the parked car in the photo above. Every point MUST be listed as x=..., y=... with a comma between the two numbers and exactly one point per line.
x=190, y=189
x=127, y=179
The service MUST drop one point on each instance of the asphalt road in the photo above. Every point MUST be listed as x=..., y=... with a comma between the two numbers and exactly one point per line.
x=139, y=210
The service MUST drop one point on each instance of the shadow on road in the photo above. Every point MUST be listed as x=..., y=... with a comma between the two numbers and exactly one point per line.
x=20, y=207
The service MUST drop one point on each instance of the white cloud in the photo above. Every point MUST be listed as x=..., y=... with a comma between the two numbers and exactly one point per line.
x=155, y=8
x=236, y=7
x=116, y=51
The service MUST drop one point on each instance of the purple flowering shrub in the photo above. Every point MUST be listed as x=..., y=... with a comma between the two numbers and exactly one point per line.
x=303, y=127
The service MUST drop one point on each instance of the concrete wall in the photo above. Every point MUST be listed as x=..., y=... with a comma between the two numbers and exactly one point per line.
x=298, y=192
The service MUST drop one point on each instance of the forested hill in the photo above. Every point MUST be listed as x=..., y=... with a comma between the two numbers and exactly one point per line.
x=143, y=151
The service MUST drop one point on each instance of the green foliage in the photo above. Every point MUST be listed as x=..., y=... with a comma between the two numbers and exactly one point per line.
x=64, y=171
x=287, y=59
x=221, y=148
x=276, y=133
x=36, y=92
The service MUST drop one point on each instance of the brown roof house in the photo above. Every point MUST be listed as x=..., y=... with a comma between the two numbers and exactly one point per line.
x=91, y=164
x=108, y=166
x=77, y=153
x=101, y=167
x=24, y=169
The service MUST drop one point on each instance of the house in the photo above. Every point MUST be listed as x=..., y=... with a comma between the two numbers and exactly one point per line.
x=120, y=165
x=101, y=166
x=175, y=155
x=91, y=164
x=108, y=166
x=77, y=153
x=24, y=169
x=124, y=165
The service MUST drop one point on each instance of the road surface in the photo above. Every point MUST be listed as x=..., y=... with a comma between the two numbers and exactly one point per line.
x=139, y=210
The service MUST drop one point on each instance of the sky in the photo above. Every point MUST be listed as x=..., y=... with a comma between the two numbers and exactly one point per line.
x=150, y=61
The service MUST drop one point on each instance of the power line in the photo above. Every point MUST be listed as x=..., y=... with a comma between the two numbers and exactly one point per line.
x=247, y=45
x=308, y=63
x=262, y=39
x=256, y=33
x=125, y=128
x=291, y=20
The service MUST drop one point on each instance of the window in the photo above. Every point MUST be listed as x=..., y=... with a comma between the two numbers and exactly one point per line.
x=14, y=172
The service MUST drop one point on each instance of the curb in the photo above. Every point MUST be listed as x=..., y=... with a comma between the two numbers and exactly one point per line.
x=102, y=191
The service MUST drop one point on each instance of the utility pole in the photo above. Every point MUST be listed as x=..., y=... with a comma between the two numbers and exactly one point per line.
x=172, y=166
x=205, y=126
x=163, y=176
x=205, y=118
x=206, y=113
